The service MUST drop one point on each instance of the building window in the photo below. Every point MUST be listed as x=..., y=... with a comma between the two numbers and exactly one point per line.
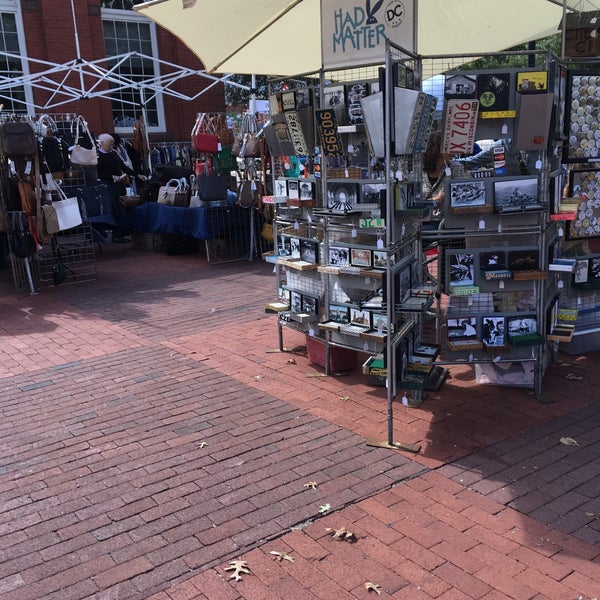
x=126, y=32
x=13, y=98
x=120, y=4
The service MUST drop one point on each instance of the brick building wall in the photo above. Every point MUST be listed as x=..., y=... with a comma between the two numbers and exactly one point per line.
x=50, y=36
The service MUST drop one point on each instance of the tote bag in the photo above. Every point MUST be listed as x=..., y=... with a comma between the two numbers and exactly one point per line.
x=80, y=155
x=61, y=214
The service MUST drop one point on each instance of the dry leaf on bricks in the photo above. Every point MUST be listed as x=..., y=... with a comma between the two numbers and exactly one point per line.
x=238, y=567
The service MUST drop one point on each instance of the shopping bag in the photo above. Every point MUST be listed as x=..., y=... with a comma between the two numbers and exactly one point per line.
x=61, y=215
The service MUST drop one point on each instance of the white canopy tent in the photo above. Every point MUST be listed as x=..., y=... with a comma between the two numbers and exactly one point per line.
x=284, y=37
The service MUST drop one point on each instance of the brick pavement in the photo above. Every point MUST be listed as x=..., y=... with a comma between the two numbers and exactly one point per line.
x=147, y=439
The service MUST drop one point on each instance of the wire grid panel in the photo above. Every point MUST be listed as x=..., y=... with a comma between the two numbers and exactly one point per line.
x=309, y=282
x=74, y=249
x=233, y=234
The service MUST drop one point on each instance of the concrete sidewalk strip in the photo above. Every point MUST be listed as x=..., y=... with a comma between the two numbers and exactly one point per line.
x=148, y=439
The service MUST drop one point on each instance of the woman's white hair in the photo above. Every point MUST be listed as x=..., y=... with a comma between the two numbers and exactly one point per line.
x=105, y=137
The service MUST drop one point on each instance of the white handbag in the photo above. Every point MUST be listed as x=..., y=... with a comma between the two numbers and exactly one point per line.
x=61, y=214
x=83, y=156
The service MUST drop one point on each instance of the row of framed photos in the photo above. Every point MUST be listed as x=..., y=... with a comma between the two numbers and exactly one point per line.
x=490, y=330
x=504, y=196
x=465, y=266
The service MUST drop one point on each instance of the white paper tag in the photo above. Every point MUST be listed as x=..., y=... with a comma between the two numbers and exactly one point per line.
x=481, y=223
x=470, y=357
x=501, y=285
x=578, y=300
x=366, y=347
x=404, y=400
x=253, y=185
x=286, y=165
x=499, y=227
x=560, y=232
x=311, y=332
x=504, y=129
x=538, y=164
x=560, y=285
x=399, y=175
x=219, y=147
x=346, y=173
x=296, y=225
x=496, y=359
x=354, y=232
x=448, y=171
x=379, y=244
x=350, y=149
x=28, y=167
x=309, y=217
x=402, y=230
x=470, y=301
x=380, y=328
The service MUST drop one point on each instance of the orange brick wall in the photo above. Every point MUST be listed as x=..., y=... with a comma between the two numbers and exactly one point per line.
x=50, y=36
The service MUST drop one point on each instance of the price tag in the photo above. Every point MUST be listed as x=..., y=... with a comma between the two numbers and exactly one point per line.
x=354, y=233
x=496, y=359
x=350, y=148
x=560, y=284
x=470, y=357
x=311, y=332
x=501, y=285
x=504, y=129
x=560, y=232
x=402, y=230
x=296, y=225
x=499, y=227
x=286, y=165
x=404, y=400
x=380, y=328
x=448, y=171
x=481, y=223
x=538, y=164
x=379, y=244
x=399, y=175
x=346, y=172
x=366, y=347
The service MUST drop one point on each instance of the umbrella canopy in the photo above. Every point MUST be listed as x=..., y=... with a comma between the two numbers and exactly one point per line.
x=285, y=37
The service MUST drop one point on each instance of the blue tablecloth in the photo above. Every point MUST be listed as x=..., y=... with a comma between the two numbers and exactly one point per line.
x=201, y=223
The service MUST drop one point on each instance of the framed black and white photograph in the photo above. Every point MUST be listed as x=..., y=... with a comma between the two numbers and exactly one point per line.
x=594, y=270
x=492, y=331
x=517, y=195
x=580, y=275
x=460, y=85
x=524, y=260
x=309, y=251
x=288, y=100
x=462, y=329
x=338, y=313
x=404, y=196
x=293, y=189
x=295, y=247
x=524, y=325
x=284, y=245
x=461, y=268
x=492, y=260
x=342, y=196
x=306, y=190
x=296, y=301
x=379, y=259
x=379, y=322
x=334, y=96
x=584, y=185
x=339, y=256
x=280, y=187
x=310, y=305
x=303, y=98
x=360, y=257
x=371, y=193
x=467, y=194
x=360, y=317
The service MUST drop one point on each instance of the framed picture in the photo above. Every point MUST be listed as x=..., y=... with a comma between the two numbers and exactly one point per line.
x=293, y=189
x=492, y=260
x=288, y=100
x=309, y=251
x=370, y=193
x=379, y=259
x=283, y=295
x=585, y=186
x=296, y=301
x=303, y=98
x=306, y=190
x=463, y=329
x=342, y=196
x=284, y=245
x=280, y=187
x=379, y=322
x=467, y=194
x=583, y=90
x=524, y=260
x=333, y=96
x=404, y=196
x=310, y=305
x=492, y=331
x=360, y=257
x=516, y=195
x=360, y=317
x=532, y=82
x=338, y=313
x=493, y=91
x=295, y=247
x=581, y=273
x=460, y=268
x=521, y=325
x=594, y=270
x=460, y=85
x=339, y=256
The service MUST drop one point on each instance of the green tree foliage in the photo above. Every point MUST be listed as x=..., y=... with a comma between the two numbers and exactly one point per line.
x=235, y=96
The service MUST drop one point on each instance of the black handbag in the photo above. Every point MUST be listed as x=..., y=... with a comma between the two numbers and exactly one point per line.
x=17, y=139
x=212, y=186
x=94, y=200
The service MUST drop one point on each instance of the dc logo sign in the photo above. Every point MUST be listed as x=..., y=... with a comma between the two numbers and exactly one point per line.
x=395, y=13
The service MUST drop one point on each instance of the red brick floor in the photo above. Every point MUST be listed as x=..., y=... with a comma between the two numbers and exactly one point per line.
x=148, y=439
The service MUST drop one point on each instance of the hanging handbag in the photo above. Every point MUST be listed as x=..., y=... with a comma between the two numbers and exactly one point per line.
x=204, y=137
x=62, y=214
x=251, y=147
x=44, y=124
x=82, y=155
x=17, y=139
x=22, y=243
x=240, y=143
x=28, y=198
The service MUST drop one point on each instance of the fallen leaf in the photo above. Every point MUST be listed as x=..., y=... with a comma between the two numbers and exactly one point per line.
x=258, y=376
x=279, y=556
x=325, y=508
x=291, y=361
x=342, y=534
x=573, y=376
x=238, y=567
x=202, y=445
x=373, y=587
x=311, y=484
x=567, y=441
x=344, y=398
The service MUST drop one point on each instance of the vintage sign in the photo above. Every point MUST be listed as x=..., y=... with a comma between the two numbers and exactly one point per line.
x=296, y=135
x=331, y=140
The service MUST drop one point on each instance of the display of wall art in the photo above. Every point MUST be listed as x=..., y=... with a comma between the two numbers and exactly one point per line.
x=582, y=117
x=493, y=331
x=460, y=268
x=342, y=196
x=463, y=329
x=465, y=195
x=585, y=185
